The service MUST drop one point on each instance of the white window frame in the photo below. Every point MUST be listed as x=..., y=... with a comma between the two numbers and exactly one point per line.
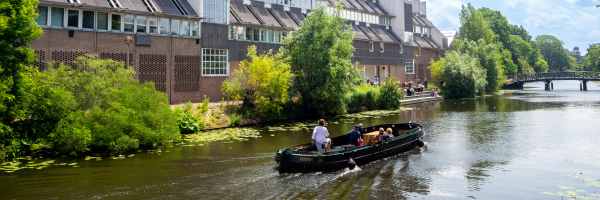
x=382, y=46
x=371, y=46
x=47, y=17
x=226, y=62
x=408, y=38
x=410, y=67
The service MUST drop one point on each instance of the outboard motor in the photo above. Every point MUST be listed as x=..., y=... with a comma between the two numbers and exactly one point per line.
x=420, y=143
x=351, y=164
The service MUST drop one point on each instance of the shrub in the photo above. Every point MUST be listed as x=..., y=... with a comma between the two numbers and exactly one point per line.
x=362, y=97
x=463, y=76
x=235, y=120
x=204, y=106
x=390, y=94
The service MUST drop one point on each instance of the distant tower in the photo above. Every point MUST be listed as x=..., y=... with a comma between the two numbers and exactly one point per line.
x=576, y=54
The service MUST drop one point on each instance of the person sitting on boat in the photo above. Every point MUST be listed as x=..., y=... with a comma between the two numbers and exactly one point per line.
x=355, y=137
x=320, y=135
x=361, y=130
x=390, y=133
x=383, y=135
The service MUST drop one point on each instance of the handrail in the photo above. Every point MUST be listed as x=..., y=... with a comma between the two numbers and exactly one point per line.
x=581, y=75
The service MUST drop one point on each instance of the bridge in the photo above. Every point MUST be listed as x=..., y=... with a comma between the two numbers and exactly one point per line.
x=517, y=81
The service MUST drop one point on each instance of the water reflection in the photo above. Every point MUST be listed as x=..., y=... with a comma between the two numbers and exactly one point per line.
x=504, y=147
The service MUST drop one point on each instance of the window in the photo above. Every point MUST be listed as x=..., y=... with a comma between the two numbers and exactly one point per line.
x=87, y=19
x=116, y=22
x=164, y=26
x=284, y=35
x=420, y=54
x=256, y=34
x=185, y=28
x=196, y=29
x=263, y=35
x=410, y=67
x=128, y=23
x=102, y=21
x=270, y=37
x=215, y=11
x=248, y=34
x=408, y=38
x=42, y=18
x=174, y=27
x=153, y=25
x=214, y=62
x=370, y=46
x=381, y=46
x=141, y=24
x=400, y=46
x=240, y=33
x=73, y=18
x=57, y=16
x=277, y=37
x=232, y=34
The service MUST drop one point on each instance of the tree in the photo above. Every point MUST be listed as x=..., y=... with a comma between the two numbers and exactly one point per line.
x=498, y=24
x=17, y=29
x=319, y=53
x=489, y=59
x=262, y=82
x=464, y=78
x=520, y=31
x=508, y=66
x=390, y=94
x=475, y=26
x=437, y=70
x=554, y=53
x=591, y=61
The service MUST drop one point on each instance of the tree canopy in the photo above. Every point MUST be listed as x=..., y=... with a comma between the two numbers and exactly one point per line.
x=591, y=61
x=489, y=59
x=475, y=26
x=520, y=31
x=319, y=54
x=554, y=53
x=464, y=78
x=498, y=24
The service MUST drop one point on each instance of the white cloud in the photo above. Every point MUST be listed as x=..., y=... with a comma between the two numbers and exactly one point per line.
x=444, y=12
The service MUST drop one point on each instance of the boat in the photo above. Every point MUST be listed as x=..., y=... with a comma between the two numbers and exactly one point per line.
x=306, y=158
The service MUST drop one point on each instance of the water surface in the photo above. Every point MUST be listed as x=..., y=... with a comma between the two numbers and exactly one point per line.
x=514, y=146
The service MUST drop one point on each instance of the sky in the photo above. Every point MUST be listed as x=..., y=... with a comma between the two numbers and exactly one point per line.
x=575, y=22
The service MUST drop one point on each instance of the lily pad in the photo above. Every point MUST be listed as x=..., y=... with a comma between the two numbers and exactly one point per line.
x=565, y=187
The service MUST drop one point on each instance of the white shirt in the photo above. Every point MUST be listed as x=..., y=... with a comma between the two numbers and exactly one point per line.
x=320, y=134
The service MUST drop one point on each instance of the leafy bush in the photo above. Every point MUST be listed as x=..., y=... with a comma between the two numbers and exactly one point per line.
x=489, y=59
x=204, y=106
x=362, y=97
x=390, y=94
x=463, y=76
x=95, y=104
x=262, y=82
x=235, y=120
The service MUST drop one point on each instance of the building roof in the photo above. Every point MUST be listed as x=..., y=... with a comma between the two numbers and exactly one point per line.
x=450, y=34
x=160, y=7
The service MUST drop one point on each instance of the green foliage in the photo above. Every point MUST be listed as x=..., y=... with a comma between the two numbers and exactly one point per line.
x=97, y=104
x=521, y=32
x=235, y=120
x=498, y=24
x=390, y=94
x=475, y=26
x=437, y=70
x=186, y=121
x=489, y=59
x=554, y=53
x=464, y=77
x=591, y=61
x=319, y=53
x=204, y=106
x=363, y=97
x=262, y=82
x=17, y=29
x=522, y=49
x=508, y=66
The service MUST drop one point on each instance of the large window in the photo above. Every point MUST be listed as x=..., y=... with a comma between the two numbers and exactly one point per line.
x=195, y=29
x=270, y=35
x=42, y=18
x=87, y=19
x=73, y=18
x=185, y=29
x=164, y=26
x=214, y=62
x=256, y=35
x=115, y=22
x=263, y=35
x=248, y=34
x=128, y=23
x=277, y=37
x=102, y=21
x=174, y=27
x=141, y=24
x=410, y=67
x=152, y=25
x=57, y=16
x=408, y=38
x=215, y=11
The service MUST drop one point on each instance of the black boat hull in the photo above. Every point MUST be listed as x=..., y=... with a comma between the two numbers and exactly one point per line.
x=290, y=161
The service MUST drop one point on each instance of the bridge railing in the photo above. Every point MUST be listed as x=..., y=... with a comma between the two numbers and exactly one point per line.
x=553, y=76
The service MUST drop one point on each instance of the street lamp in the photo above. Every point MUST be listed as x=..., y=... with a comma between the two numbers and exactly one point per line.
x=128, y=40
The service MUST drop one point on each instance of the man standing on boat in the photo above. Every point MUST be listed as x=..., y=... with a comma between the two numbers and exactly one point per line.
x=355, y=136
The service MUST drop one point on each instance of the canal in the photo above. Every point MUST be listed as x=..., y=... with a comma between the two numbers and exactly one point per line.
x=532, y=144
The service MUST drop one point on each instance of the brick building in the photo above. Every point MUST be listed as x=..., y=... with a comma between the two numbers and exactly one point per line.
x=189, y=47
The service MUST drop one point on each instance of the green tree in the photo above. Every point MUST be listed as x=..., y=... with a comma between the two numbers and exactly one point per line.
x=520, y=31
x=262, y=82
x=464, y=78
x=319, y=53
x=17, y=29
x=489, y=59
x=554, y=53
x=436, y=69
x=591, y=61
x=498, y=24
x=475, y=26
x=508, y=65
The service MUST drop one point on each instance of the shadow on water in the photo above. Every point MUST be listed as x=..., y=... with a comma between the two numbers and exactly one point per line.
x=512, y=146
